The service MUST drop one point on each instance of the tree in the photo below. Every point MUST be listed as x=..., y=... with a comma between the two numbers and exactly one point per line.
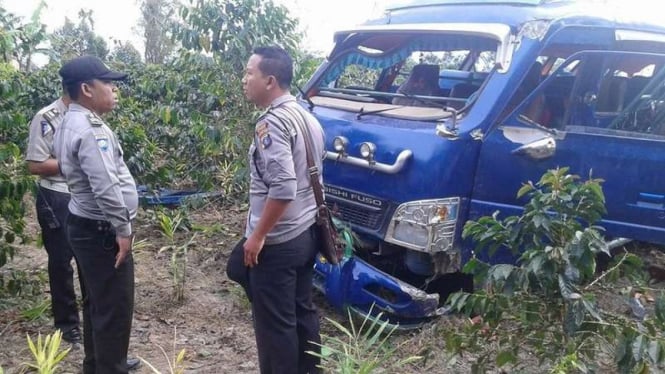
x=72, y=40
x=19, y=39
x=125, y=53
x=231, y=28
x=156, y=18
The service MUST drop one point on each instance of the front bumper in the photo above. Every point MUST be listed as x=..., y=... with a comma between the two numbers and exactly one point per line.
x=356, y=285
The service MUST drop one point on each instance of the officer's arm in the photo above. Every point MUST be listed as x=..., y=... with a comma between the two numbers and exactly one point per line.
x=96, y=156
x=44, y=168
x=280, y=175
x=38, y=154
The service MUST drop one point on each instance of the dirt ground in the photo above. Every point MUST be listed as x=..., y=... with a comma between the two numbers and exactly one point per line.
x=213, y=323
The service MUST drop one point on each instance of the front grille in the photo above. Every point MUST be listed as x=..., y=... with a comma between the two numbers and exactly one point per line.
x=357, y=215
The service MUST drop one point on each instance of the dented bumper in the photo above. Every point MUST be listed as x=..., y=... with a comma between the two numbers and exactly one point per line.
x=357, y=285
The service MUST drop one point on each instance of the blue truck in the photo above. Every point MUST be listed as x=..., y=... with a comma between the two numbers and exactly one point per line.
x=439, y=111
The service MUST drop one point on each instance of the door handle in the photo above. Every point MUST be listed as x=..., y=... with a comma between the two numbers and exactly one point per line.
x=537, y=150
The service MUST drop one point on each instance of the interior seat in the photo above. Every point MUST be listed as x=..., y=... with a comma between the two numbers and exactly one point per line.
x=424, y=81
x=611, y=94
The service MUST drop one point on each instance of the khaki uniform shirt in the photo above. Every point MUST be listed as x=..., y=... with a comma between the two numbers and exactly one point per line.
x=91, y=160
x=40, y=141
x=278, y=168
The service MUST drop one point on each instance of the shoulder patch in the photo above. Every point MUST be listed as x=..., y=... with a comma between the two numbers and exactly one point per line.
x=263, y=134
x=46, y=127
x=94, y=120
x=102, y=142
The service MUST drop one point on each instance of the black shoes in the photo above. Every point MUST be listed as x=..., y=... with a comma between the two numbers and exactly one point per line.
x=72, y=336
x=133, y=363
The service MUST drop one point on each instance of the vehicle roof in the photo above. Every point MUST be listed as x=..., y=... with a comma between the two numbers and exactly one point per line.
x=601, y=13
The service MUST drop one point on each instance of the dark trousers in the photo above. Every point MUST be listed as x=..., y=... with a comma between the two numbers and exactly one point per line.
x=285, y=319
x=52, y=215
x=108, y=305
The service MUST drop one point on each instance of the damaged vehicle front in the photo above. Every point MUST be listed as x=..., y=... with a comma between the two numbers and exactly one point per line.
x=382, y=98
x=439, y=111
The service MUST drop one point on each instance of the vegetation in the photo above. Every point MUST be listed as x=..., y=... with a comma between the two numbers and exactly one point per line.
x=545, y=305
x=169, y=224
x=361, y=349
x=72, y=40
x=46, y=353
x=175, y=365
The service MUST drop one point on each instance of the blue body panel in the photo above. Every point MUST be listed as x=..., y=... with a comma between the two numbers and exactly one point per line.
x=427, y=175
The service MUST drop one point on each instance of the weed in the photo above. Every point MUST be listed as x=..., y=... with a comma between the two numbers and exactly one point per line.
x=169, y=224
x=36, y=312
x=176, y=365
x=361, y=350
x=47, y=355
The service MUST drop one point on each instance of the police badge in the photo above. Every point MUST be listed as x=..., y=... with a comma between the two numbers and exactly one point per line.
x=263, y=134
x=103, y=144
x=46, y=127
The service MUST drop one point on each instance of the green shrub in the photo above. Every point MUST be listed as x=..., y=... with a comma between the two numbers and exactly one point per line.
x=544, y=306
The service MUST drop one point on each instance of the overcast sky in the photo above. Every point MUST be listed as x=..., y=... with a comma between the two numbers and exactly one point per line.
x=118, y=18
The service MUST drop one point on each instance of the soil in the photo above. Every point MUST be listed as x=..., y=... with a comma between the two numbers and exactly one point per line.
x=212, y=323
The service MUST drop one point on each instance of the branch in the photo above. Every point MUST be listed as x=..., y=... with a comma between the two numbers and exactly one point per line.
x=625, y=254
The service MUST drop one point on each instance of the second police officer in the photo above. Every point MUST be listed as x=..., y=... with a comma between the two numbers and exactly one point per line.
x=103, y=203
x=51, y=204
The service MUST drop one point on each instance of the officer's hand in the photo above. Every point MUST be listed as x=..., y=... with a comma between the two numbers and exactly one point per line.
x=125, y=246
x=253, y=247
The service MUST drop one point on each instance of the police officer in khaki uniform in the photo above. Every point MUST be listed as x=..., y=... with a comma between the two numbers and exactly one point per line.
x=103, y=203
x=51, y=204
x=280, y=244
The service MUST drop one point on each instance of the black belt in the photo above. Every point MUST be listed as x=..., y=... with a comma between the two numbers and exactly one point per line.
x=91, y=224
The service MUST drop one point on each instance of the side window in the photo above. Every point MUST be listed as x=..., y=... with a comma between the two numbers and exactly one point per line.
x=645, y=108
x=622, y=80
x=529, y=82
x=549, y=106
x=636, y=82
x=603, y=92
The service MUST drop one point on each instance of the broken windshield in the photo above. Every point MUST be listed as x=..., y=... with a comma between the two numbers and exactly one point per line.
x=383, y=73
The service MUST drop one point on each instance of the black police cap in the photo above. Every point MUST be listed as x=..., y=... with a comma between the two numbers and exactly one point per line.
x=85, y=68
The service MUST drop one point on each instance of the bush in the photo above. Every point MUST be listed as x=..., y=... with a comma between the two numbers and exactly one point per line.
x=543, y=306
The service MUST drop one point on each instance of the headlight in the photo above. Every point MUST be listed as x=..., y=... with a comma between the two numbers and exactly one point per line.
x=425, y=225
x=367, y=150
x=340, y=143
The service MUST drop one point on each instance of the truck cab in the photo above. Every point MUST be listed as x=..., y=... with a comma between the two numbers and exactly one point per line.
x=439, y=111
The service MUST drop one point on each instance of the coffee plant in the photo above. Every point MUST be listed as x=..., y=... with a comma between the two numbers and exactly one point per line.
x=182, y=124
x=544, y=306
x=14, y=182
